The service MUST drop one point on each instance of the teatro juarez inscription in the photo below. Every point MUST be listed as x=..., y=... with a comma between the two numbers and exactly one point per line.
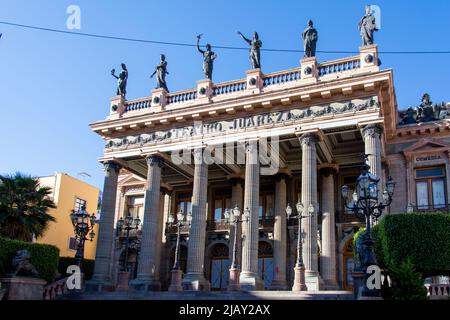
x=249, y=122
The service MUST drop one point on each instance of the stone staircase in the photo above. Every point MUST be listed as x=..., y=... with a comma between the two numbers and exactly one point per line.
x=225, y=295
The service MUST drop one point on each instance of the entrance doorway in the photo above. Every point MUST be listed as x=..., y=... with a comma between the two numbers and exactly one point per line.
x=219, y=267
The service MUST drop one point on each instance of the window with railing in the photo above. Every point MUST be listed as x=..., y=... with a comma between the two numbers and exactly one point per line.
x=266, y=207
x=135, y=207
x=430, y=188
x=221, y=203
x=79, y=203
x=183, y=204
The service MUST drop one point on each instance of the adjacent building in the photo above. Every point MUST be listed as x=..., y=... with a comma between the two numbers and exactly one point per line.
x=260, y=143
x=69, y=194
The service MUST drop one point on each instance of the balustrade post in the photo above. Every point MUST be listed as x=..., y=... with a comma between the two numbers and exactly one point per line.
x=309, y=70
x=205, y=90
x=254, y=80
x=159, y=99
x=368, y=57
x=117, y=107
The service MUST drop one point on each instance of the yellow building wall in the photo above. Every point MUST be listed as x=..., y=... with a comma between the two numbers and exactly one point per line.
x=66, y=190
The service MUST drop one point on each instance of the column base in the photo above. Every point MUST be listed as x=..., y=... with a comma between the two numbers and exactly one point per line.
x=123, y=277
x=145, y=285
x=250, y=281
x=233, y=281
x=278, y=285
x=194, y=281
x=313, y=281
x=175, y=280
x=96, y=285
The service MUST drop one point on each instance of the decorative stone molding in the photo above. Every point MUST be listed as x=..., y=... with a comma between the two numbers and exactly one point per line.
x=372, y=130
x=109, y=166
x=154, y=160
x=254, y=80
x=309, y=139
x=159, y=98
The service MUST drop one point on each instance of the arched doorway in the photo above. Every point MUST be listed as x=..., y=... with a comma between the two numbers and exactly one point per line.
x=219, y=267
x=348, y=264
x=265, y=263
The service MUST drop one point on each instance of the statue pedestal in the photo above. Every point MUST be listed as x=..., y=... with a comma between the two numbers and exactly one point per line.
x=159, y=99
x=309, y=70
x=368, y=57
x=22, y=288
x=254, y=78
x=204, y=90
x=117, y=107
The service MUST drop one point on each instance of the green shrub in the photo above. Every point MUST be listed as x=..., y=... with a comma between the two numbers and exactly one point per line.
x=424, y=238
x=44, y=257
x=407, y=283
x=87, y=267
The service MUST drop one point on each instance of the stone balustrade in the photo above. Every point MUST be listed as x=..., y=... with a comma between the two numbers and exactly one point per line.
x=438, y=291
x=341, y=65
x=232, y=89
x=229, y=87
x=55, y=289
x=181, y=96
x=281, y=77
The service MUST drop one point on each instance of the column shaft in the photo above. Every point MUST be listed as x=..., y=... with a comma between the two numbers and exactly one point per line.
x=249, y=279
x=103, y=256
x=309, y=197
x=147, y=278
x=195, y=279
x=328, y=256
x=280, y=236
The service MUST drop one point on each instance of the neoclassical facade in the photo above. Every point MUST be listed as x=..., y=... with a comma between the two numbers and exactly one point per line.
x=261, y=143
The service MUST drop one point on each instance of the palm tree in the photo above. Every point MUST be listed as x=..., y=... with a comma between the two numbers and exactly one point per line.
x=24, y=206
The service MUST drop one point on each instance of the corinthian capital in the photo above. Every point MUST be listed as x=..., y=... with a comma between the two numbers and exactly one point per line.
x=154, y=160
x=111, y=166
x=372, y=130
x=309, y=139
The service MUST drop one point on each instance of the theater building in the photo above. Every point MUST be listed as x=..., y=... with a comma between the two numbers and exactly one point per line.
x=260, y=143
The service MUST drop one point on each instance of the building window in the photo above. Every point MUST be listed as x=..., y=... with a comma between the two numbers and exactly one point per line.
x=430, y=188
x=73, y=243
x=135, y=207
x=222, y=201
x=183, y=203
x=266, y=207
x=79, y=203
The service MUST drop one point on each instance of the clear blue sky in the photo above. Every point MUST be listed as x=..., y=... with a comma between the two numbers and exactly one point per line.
x=52, y=85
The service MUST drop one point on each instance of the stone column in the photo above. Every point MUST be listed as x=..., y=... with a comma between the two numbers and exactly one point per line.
x=372, y=146
x=103, y=256
x=147, y=278
x=249, y=278
x=309, y=197
x=328, y=257
x=195, y=278
x=280, y=235
x=236, y=200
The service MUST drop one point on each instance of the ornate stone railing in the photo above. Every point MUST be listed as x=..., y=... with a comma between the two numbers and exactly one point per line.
x=217, y=225
x=229, y=87
x=438, y=291
x=339, y=66
x=281, y=77
x=138, y=104
x=182, y=96
x=55, y=289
